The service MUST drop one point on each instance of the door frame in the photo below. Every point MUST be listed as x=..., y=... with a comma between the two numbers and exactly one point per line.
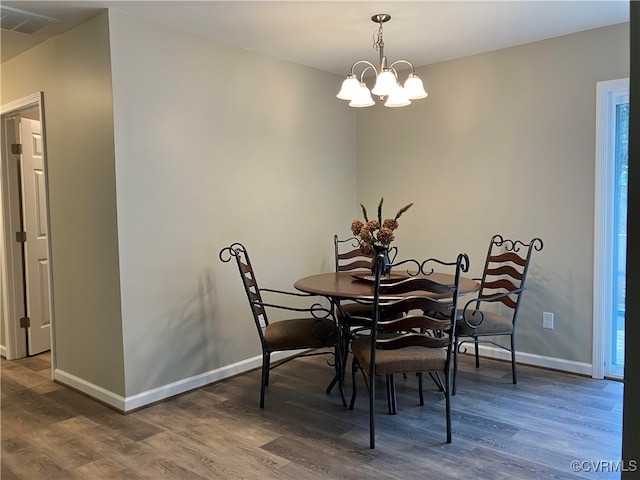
x=15, y=337
x=603, y=224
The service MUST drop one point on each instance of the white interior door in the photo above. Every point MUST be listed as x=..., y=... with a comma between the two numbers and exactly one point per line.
x=36, y=259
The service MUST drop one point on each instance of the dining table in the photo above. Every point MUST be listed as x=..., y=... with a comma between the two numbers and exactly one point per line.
x=359, y=285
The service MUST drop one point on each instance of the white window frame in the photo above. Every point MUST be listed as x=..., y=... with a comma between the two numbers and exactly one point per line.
x=606, y=94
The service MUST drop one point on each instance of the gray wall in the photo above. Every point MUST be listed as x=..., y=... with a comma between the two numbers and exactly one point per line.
x=214, y=145
x=505, y=143
x=74, y=72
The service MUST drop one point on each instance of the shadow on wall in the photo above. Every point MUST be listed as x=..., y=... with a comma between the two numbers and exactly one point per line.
x=192, y=337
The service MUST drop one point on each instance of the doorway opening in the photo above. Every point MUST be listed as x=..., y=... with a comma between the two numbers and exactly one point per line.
x=610, y=234
x=25, y=273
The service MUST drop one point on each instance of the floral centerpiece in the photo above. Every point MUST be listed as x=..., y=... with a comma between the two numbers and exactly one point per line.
x=376, y=232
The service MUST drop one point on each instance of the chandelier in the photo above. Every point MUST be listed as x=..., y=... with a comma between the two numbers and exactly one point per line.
x=387, y=85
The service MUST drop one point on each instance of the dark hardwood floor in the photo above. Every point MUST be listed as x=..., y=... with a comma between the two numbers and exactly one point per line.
x=533, y=430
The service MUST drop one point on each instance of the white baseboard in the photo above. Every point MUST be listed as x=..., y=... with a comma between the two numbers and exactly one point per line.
x=561, y=364
x=127, y=404
x=88, y=388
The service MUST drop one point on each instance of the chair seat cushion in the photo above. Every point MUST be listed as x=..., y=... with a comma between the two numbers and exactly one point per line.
x=492, y=323
x=301, y=333
x=401, y=360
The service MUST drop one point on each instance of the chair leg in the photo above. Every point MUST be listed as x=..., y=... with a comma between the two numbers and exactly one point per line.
x=392, y=400
x=455, y=364
x=344, y=353
x=513, y=359
x=266, y=357
x=436, y=379
x=475, y=344
x=447, y=399
x=420, y=392
x=334, y=380
x=372, y=413
x=372, y=398
x=354, y=382
x=340, y=373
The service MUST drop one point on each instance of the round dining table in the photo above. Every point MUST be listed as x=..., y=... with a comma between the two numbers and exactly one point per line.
x=359, y=286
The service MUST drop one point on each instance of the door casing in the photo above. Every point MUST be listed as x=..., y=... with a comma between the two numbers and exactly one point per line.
x=11, y=259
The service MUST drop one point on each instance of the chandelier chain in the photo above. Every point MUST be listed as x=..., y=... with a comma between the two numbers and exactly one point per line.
x=378, y=42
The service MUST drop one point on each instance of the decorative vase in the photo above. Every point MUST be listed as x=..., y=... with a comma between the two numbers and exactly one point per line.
x=380, y=249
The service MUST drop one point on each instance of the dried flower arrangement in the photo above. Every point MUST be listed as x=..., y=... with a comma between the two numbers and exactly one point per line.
x=376, y=232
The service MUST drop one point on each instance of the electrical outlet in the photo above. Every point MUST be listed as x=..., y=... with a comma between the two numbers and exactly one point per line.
x=547, y=320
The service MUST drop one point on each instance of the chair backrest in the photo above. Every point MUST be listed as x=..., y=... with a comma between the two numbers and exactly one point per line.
x=418, y=318
x=239, y=252
x=348, y=255
x=505, y=271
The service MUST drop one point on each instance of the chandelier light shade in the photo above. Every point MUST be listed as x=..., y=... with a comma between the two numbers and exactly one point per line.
x=387, y=85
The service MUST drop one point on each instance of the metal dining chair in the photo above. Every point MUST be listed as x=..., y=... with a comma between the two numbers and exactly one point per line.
x=353, y=316
x=419, y=338
x=502, y=284
x=312, y=329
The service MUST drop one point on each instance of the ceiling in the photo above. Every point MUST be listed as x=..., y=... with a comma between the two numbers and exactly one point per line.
x=331, y=35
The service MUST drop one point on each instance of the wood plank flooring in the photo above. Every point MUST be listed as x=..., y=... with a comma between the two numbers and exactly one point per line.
x=533, y=430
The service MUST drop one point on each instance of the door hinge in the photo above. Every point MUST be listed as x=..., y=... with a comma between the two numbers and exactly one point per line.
x=16, y=148
x=21, y=237
x=25, y=322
